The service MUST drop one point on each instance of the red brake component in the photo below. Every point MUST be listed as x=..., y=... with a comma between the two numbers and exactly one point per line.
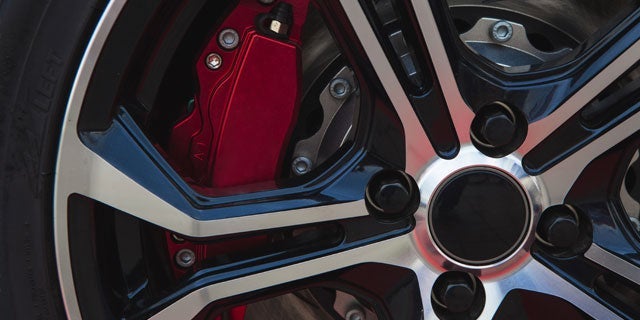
x=236, y=313
x=244, y=113
x=245, y=110
x=203, y=251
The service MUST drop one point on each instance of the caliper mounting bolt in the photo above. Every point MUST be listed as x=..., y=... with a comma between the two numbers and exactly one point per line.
x=185, y=258
x=301, y=166
x=228, y=39
x=213, y=61
x=355, y=314
x=339, y=88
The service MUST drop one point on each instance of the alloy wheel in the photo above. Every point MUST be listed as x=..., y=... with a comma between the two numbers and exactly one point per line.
x=436, y=182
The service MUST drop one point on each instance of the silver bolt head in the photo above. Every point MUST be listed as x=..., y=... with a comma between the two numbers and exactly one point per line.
x=355, y=314
x=502, y=31
x=266, y=1
x=228, y=39
x=185, y=258
x=301, y=165
x=214, y=61
x=339, y=88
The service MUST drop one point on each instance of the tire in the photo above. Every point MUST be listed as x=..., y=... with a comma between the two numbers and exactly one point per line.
x=41, y=44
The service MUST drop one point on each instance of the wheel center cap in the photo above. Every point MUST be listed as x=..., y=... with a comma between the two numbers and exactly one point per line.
x=479, y=215
x=476, y=212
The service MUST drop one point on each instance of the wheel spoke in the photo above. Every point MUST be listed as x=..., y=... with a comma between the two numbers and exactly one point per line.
x=426, y=279
x=613, y=263
x=418, y=148
x=540, y=130
x=536, y=277
x=396, y=251
x=90, y=175
x=560, y=178
x=459, y=111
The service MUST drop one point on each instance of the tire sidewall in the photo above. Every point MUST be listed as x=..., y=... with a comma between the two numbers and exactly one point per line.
x=41, y=45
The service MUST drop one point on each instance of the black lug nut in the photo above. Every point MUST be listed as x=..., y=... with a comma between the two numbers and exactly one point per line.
x=392, y=195
x=559, y=227
x=455, y=291
x=498, y=128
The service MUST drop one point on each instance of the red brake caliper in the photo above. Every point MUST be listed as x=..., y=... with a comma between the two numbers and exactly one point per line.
x=249, y=78
x=248, y=98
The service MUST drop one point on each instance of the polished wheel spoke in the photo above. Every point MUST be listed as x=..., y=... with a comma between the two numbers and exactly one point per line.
x=538, y=278
x=459, y=111
x=560, y=178
x=90, y=175
x=396, y=251
x=613, y=263
x=418, y=148
x=540, y=130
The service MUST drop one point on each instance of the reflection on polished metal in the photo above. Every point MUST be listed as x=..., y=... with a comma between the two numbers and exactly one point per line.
x=613, y=263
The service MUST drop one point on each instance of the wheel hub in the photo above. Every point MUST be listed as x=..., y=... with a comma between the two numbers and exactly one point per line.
x=477, y=212
x=479, y=216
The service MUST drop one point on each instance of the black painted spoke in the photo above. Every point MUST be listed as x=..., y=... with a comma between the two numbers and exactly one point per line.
x=604, y=205
x=414, y=59
x=563, y=175
x=616, y=104
x=130, y=247
x=122, y=169
x=416, y=75
x=208, y=286
x=603, y=260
